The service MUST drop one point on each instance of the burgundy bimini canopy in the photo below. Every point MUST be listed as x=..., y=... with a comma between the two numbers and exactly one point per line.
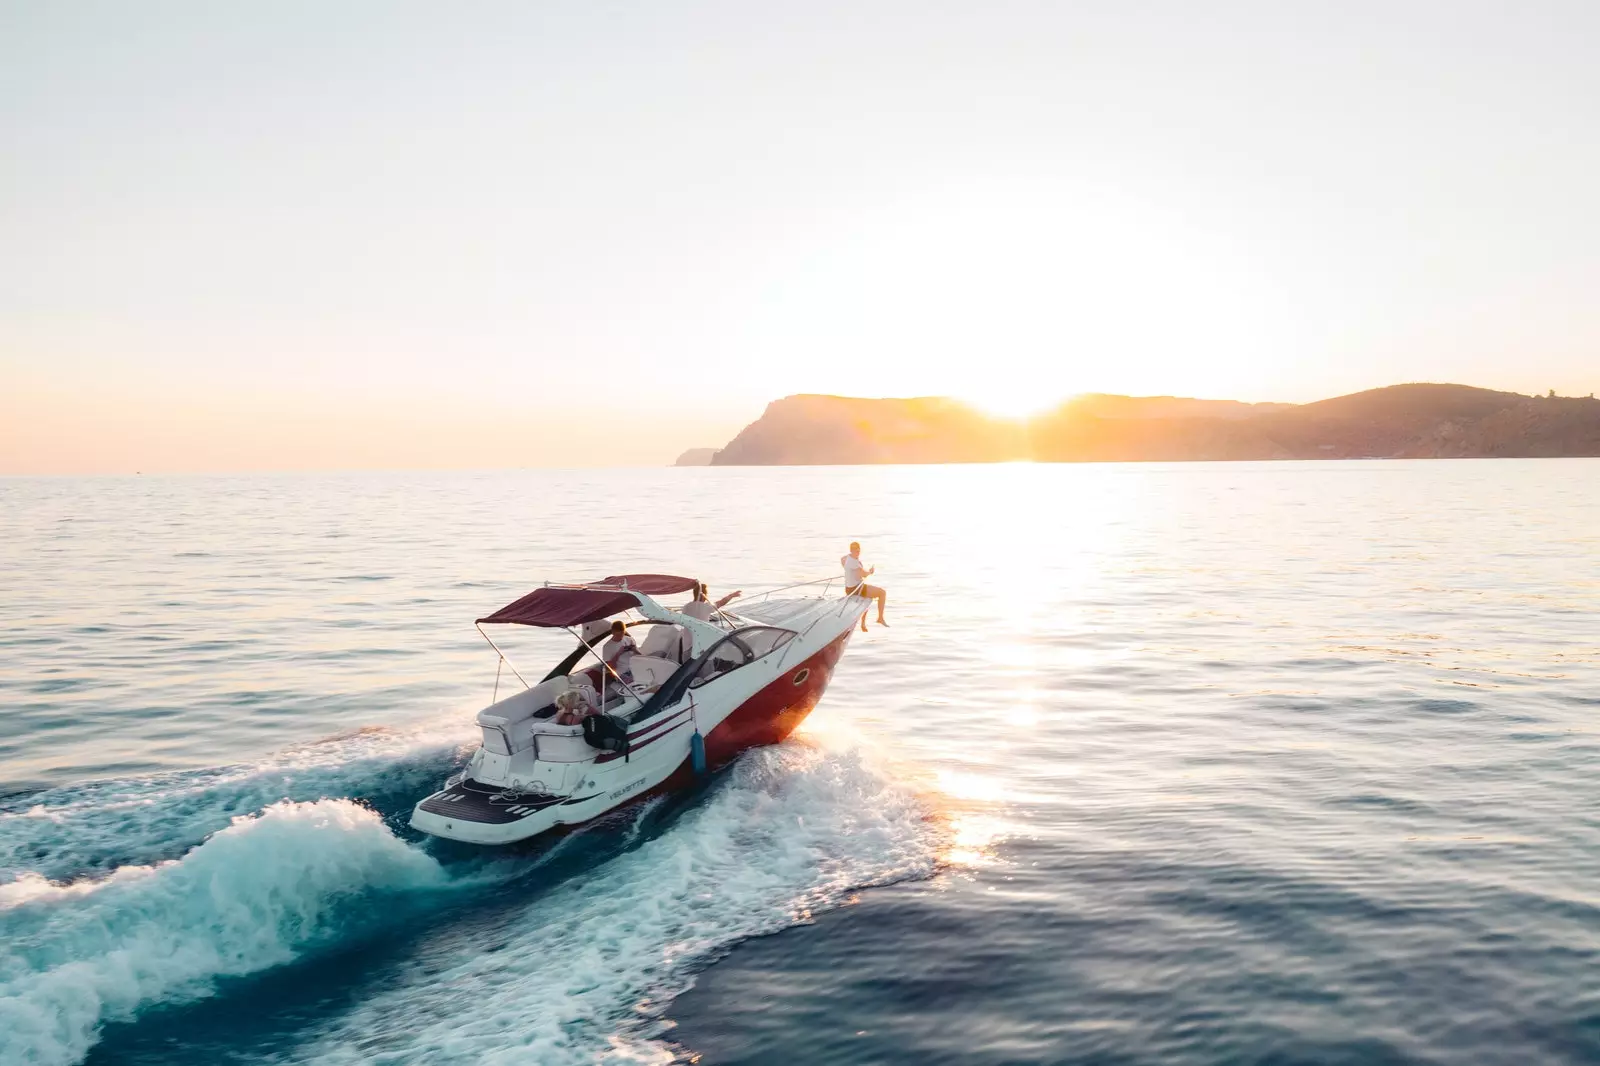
x=557, y=607
x=653, y=584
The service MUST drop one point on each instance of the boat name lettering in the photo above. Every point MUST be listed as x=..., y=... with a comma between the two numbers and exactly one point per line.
x=632, y=786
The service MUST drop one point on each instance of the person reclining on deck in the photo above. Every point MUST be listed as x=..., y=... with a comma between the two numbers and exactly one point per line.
x=701, y=606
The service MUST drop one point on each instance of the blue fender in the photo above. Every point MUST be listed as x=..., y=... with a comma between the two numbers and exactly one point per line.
x=697, y=753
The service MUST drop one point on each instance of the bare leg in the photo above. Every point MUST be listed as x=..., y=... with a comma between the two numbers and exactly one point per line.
x=862, y=591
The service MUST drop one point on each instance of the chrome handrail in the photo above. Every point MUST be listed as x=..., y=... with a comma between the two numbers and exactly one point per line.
x=798, y=585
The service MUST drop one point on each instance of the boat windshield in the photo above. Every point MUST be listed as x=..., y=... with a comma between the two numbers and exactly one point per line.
x=738, y=649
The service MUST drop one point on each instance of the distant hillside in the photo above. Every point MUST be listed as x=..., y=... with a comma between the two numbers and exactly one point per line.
x=803, y=430
x=1106, y=405
x=1402, y=421
x=696, y=457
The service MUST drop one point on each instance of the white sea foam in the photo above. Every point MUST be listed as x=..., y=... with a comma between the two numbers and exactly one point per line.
x=577, y=972
x=36, y=888
x=580, y=973
x=101, y=826
x=253, y=896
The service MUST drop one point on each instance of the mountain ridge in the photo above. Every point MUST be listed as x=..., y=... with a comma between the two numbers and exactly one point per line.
x=1413, y=420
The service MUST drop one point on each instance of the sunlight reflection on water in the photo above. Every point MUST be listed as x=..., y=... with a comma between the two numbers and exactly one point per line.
x=1304, y=747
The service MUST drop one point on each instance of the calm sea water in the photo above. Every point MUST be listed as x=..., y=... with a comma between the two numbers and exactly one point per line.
x=1233, y=763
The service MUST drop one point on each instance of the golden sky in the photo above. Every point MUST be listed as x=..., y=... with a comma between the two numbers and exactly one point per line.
x=391, y=235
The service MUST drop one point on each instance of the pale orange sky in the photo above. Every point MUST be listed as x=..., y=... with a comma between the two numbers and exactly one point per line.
x=384, y=235
x=92, y=432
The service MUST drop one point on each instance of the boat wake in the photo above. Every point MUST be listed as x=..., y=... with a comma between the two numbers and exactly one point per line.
x=94, y=828
x=123, y=900
x=583, y=971
x=253, y=896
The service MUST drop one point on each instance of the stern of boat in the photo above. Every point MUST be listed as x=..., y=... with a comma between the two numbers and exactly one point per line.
x=475, y=813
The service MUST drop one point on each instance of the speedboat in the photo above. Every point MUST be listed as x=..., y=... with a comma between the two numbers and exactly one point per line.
x=695, y=695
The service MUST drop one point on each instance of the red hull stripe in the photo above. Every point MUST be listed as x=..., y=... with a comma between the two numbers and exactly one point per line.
x=657, y=724
x=632, y=747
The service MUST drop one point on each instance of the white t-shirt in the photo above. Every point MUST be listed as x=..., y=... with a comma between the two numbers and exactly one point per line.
x=619, y=653
x=855, y=571
x=700, y=609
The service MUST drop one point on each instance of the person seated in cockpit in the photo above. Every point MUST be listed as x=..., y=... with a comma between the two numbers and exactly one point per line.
x=573, y=706
x=701, y=606
x=618, y=652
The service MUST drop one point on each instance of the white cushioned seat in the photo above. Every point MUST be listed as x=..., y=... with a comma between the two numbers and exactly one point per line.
x=665, y=642
x=563, y=743
x=582, y=684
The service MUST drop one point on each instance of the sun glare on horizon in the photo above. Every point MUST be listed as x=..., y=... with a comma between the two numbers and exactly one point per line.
x=1016, y=403
x=1014, y=295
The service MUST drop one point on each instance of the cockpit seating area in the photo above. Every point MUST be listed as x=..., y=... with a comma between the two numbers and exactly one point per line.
x=670, y=642
x=664, y=648
x=509, y=724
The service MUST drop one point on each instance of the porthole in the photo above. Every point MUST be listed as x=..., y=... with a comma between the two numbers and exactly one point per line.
x=801, y=675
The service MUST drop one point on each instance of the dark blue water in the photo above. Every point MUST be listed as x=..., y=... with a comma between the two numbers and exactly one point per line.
x=1276, y=763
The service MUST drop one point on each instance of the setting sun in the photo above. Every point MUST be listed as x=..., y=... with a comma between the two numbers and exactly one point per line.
x=1015, y=402
x=1012, y=294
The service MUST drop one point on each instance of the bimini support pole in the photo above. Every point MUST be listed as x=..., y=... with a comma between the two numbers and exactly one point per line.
x=504, y=661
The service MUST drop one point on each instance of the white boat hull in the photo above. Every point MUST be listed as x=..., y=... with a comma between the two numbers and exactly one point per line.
x=504, y=798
